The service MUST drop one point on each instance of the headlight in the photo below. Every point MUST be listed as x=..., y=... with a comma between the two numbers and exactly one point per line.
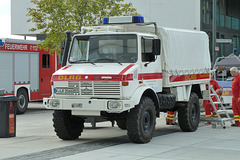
x=54, y=103
x=114, y=105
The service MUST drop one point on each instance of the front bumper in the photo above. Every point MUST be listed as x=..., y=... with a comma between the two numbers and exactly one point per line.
x=88, y=106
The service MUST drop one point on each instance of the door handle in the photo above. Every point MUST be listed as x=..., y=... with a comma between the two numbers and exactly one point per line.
x=41, y=79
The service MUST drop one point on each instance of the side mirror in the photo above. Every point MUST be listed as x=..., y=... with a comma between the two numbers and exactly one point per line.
x=156, y=46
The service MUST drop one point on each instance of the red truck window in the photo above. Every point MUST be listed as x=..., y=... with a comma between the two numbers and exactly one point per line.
x=45, y=61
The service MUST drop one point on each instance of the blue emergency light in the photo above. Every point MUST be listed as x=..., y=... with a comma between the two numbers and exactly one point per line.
x=105, y=20
x=1, y=43
x=123, y=19
x=138, y=19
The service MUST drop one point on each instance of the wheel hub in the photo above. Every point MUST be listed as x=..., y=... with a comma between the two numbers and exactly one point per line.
x=194, y=113
x=146, y=121
x=21, y=101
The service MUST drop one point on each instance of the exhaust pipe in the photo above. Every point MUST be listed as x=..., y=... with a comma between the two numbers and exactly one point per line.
x=66, y=48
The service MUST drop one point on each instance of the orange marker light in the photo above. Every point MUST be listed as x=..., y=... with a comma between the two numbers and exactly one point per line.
x=124, y=83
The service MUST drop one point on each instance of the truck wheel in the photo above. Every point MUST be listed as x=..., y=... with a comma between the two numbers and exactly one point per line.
x=121, y=122
x=67, y=127
x=141, y=121
x=189, y=114
x=22, y=102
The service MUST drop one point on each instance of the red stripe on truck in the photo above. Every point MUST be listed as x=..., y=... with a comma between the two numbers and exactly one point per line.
x=189, y=77
x=147, y=76
x=106, y=77
x=125, y=69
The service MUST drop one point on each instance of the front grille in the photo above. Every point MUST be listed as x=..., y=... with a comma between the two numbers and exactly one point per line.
x=86, y=88
x=106, y=88
x=75, y=86
x=95, y=88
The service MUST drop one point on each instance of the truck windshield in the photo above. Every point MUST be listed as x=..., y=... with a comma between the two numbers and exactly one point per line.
x=104, y=49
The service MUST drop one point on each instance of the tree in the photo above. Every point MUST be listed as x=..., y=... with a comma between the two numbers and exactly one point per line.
x=54, y=17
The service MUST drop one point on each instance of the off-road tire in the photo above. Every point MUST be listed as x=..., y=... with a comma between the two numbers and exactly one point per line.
x=67, y=126
x=121, y=122
x=166, y=102
x=189, y=114
x=22, y=102
x=141, y=121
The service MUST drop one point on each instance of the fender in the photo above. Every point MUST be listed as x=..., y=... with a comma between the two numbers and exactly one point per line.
x=27, y=87
x=139, y=92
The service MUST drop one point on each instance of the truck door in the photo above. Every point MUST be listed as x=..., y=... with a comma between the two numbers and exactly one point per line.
x=46, y=68
x=150, y=64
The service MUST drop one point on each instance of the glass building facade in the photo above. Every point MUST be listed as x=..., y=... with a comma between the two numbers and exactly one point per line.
x=227, y=22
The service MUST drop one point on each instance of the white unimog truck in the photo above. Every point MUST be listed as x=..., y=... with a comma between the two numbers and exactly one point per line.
x=130, y=71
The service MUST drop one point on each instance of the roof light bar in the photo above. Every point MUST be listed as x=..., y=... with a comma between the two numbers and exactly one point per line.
x=1, y=42
x=123, y=19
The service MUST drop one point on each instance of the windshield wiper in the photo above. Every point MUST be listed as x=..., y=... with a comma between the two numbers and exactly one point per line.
x=119, y=62
x=82, y=61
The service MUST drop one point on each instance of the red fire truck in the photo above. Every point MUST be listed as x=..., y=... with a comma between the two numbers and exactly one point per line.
x=26, y=71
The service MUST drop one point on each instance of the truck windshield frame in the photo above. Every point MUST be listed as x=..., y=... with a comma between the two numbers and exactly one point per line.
x=110, y=48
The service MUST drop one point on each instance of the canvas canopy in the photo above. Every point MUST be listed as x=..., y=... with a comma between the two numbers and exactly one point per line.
x=229, y=61
x=185, y=50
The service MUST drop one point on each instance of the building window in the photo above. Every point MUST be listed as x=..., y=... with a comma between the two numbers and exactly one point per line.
x=203, y=11
x=206, y=11
x=218, y=14
x=235, y=24
x=222, y=20
x=228, y=22
x=45, y=61
x=232, y=8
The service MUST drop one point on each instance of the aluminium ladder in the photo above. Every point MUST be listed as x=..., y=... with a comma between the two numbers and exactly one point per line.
x=222, y=110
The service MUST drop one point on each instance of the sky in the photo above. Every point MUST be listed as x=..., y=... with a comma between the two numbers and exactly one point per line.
x=5, y=23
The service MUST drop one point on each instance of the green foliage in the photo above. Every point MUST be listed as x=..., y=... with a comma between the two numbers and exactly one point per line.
x=54, y=17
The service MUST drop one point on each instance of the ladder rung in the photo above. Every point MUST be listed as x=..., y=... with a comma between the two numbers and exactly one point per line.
x=228, y=107
x=212, y=94
x=222, y=111
x=226, y=119
x=217, y=102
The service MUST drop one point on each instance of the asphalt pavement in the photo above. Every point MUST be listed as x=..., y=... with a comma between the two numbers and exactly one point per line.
x=36, y=139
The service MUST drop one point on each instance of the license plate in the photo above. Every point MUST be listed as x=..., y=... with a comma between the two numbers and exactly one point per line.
x=63, y=91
